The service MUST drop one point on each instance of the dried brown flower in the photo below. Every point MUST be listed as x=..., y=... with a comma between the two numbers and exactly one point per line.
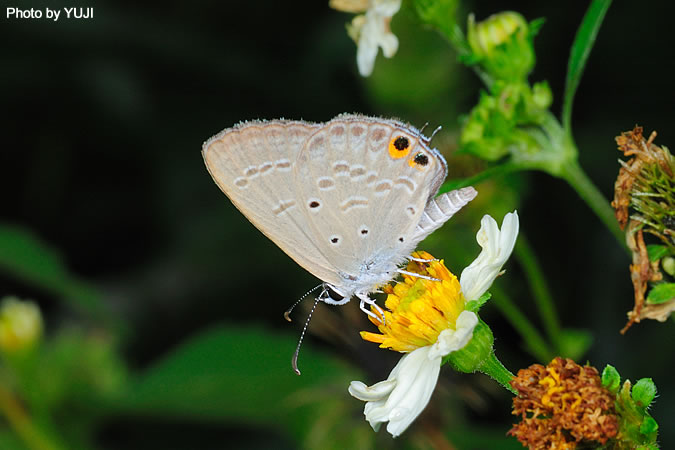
x=636, y=178
x=562, y=405
x=645, y=185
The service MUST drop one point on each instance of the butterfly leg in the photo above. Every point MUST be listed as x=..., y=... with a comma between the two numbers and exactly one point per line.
x=418, y=275
x=422, y=260
x=365, y=300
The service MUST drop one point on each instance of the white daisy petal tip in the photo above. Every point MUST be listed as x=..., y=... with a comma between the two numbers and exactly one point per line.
x=497, y=246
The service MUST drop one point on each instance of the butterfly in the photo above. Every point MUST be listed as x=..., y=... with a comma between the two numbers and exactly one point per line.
x=348, y=199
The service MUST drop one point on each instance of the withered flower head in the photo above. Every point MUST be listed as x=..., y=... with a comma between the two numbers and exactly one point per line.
x=646, y=185
x=562, y=405
x=644, y=198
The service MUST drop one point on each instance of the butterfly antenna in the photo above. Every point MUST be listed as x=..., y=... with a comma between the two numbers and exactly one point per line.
x=434, y=133
x=287, y=314
x=423, y=127
x=294, y=361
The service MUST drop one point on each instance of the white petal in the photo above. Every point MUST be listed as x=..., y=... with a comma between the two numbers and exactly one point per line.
x=385, y=8
x=413, y=379
x=389, y=44
x=373, y=32
x=497, y=247
x=378, y=391
x=452, y=340
x=366, y=54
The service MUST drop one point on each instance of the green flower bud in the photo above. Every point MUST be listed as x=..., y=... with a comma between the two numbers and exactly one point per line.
x=20, y=325
x=611, y=379
x=503, y=45
x=542, y=97
x=474, y=354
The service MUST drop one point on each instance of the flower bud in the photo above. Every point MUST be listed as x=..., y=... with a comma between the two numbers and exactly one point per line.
x=20, y=325
x=542, y=97
x=668, y=264
x=502, y=44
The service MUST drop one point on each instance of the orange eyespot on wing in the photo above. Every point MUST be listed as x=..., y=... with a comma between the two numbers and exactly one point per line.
x=419, y=161
x=399, y=147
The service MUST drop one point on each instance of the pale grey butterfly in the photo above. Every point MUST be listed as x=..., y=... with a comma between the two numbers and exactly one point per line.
x=348, y=199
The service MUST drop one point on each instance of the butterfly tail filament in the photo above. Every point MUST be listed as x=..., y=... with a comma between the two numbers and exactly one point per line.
x=442, y=208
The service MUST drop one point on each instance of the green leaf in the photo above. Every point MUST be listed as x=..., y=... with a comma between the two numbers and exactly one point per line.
x=643, y=392
x=475, y=305
x=611, y=379
x=649, y=426
x=243, y=374
x=661, y=293
x=28, y=259
x=574, y=343
x=656, y=252
x=581, y=48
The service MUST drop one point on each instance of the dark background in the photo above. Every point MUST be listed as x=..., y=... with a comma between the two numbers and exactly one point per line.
x=102, y=130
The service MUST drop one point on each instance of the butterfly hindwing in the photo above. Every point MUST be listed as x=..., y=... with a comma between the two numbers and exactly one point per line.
x=362, y=197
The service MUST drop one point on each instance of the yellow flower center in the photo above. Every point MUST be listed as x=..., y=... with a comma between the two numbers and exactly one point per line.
x=418, y=309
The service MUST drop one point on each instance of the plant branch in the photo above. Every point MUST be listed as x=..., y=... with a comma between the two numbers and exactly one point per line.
x=20, y=421
x=540, y=290
x=577, y=178
x=493, y=368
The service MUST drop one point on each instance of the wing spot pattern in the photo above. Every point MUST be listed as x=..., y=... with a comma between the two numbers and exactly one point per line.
x=377, y=135
x=383, y=187
x=354, y=202
x=341, y=168
x=265, y=167
x=314, y=204
x=407, y=183
x=411, y=211
x=317, y=147
x=251, y=171
x=241, y=182
x=283, y=206
x=325, y=183
x=283, y=165
x=357, y=172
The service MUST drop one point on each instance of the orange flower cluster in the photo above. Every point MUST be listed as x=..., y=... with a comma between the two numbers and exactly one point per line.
x=562, y=405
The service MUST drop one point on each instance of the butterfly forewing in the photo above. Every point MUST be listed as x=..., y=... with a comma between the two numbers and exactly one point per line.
x=253, y=164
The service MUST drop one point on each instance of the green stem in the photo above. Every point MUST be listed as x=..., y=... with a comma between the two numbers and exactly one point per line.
x=494, y=171
x=577, y=178
x=493, y=368
x=534, y=341
x=539, y=287
x=20, y=421
x=453, y=33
